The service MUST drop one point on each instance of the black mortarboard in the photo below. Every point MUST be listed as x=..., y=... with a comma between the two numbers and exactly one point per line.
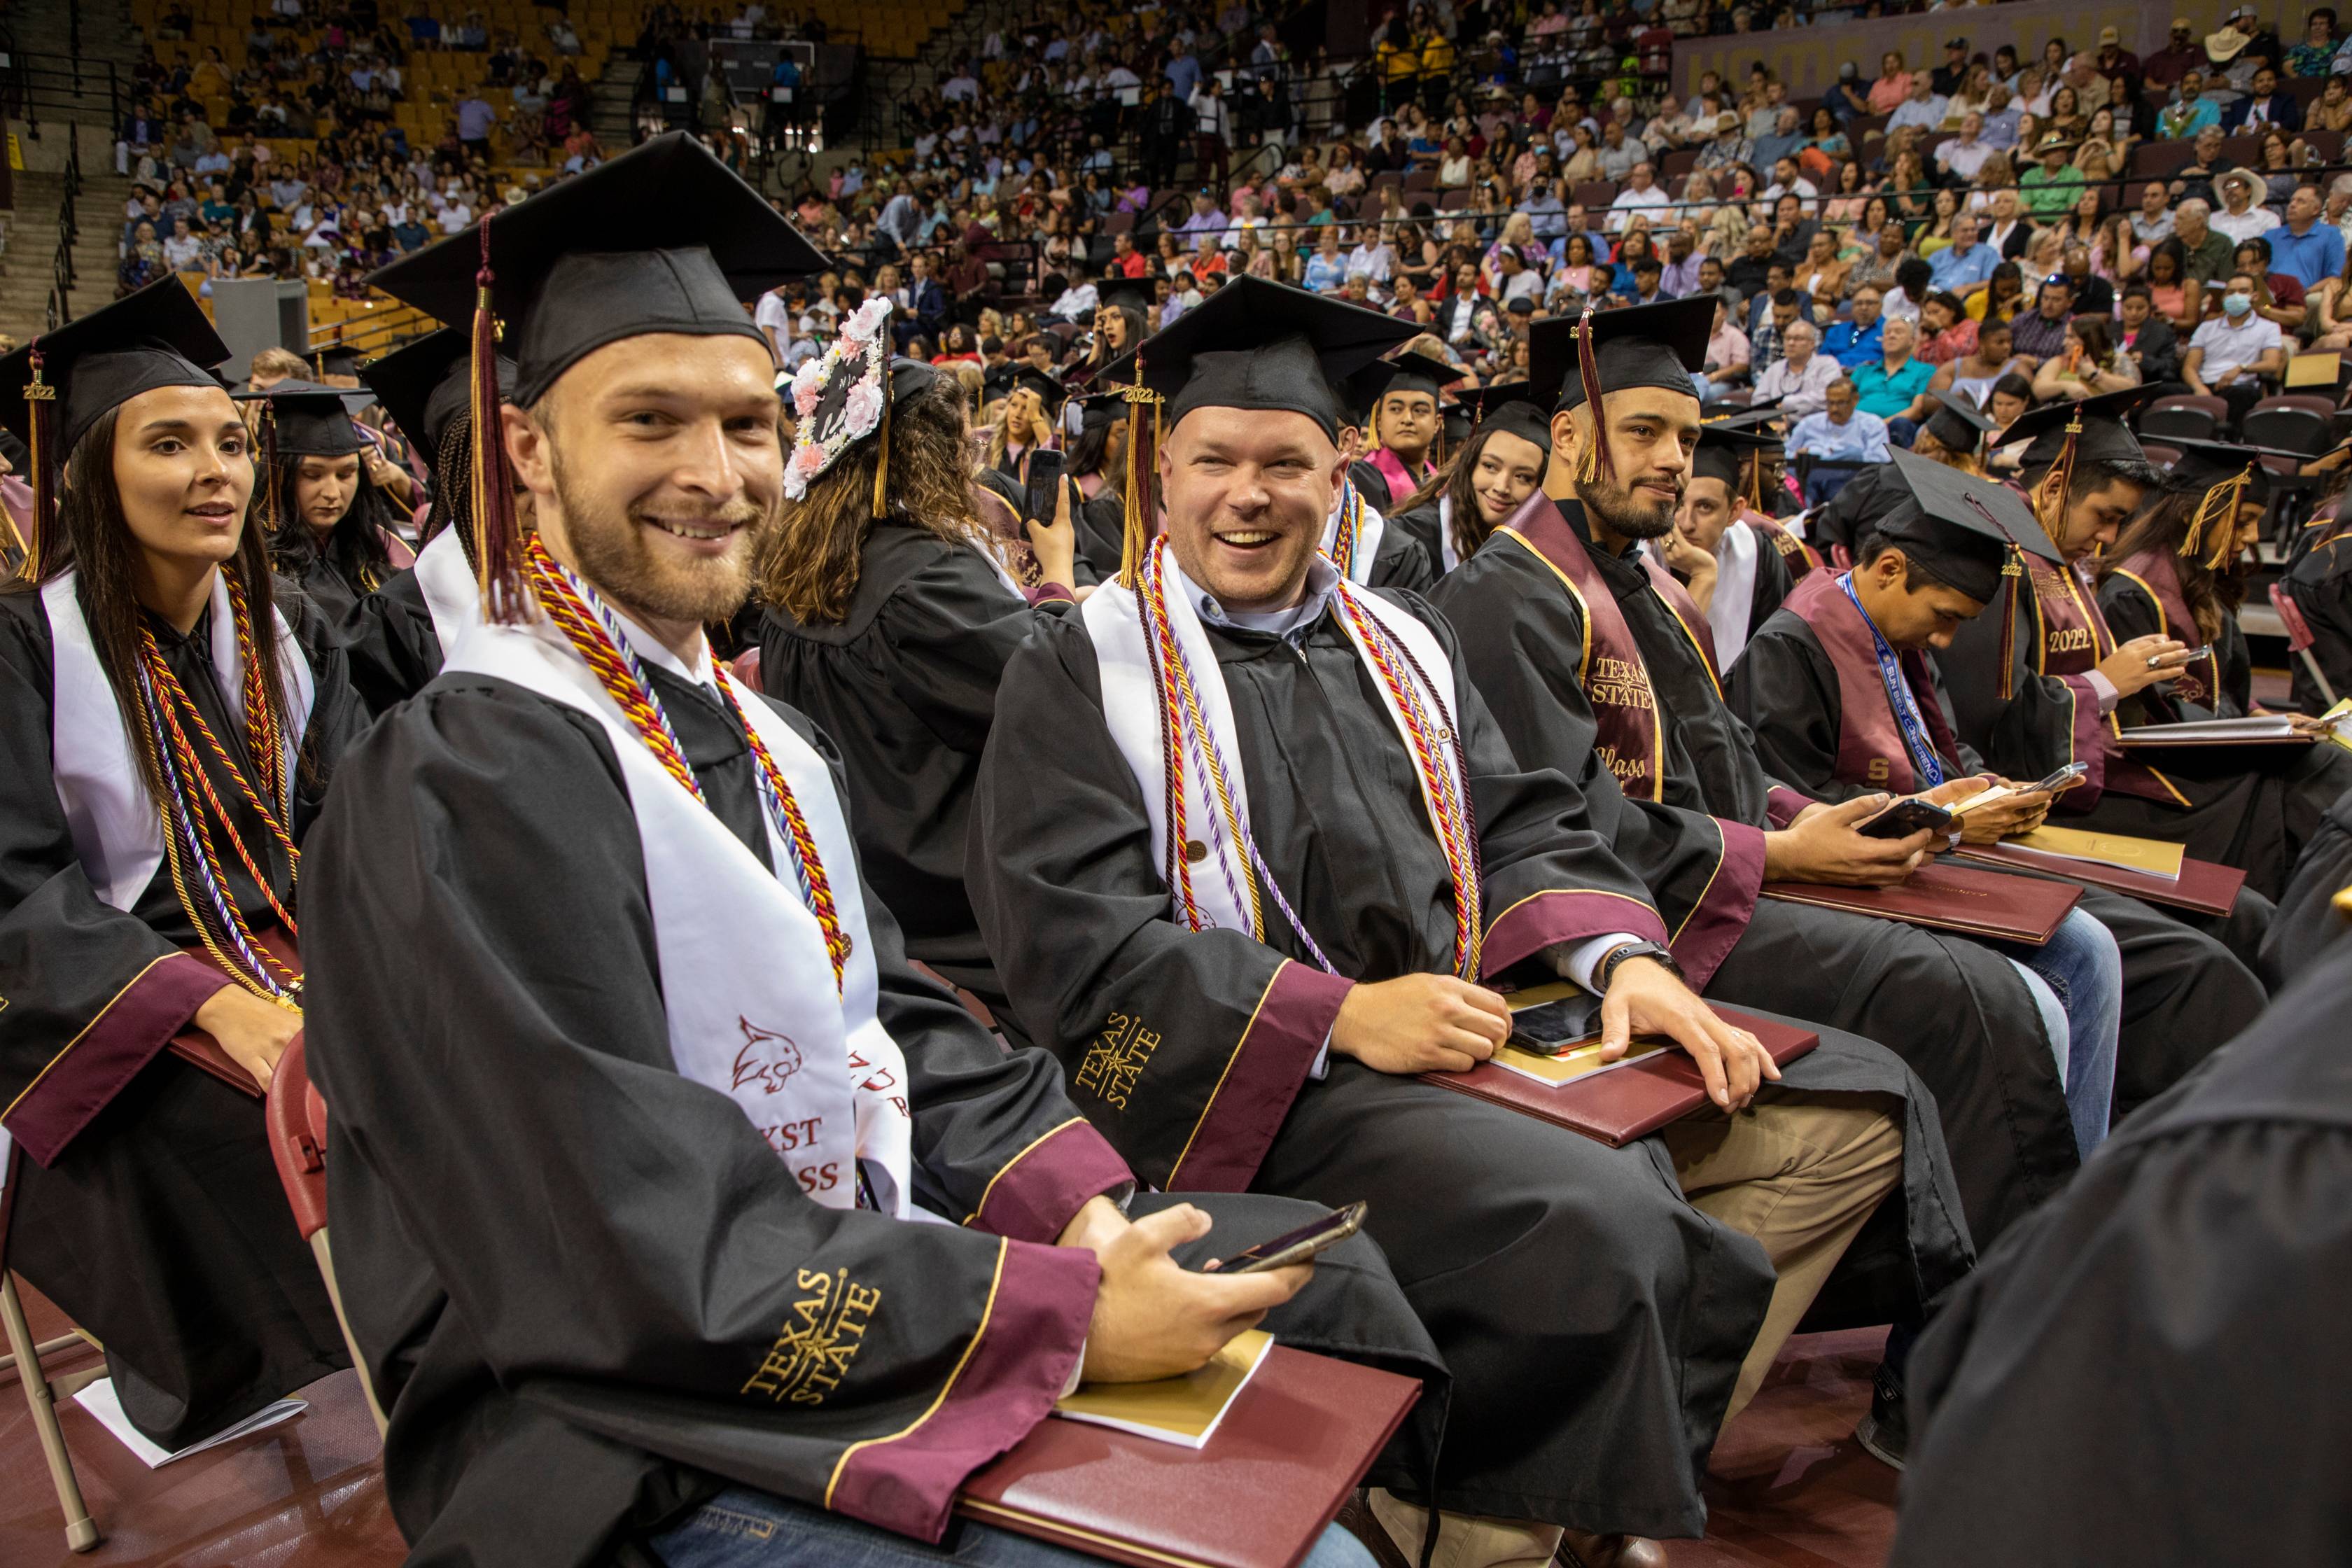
x=1260, y=346
x=839, y=401
x=1101, y=410
x=1049, y=392
x=2205, y=464
x=706, y=242
x=156, y=337
x=1723, y=454
x=336, y=360
x=1957, y=427
x=423, y=385
x=1510, y=408
x=309, y=420
x=1125, y=294
x=1406, y=373
x=2103, y=439
x=1957, y=528
x=57, y=386
x=1640, y=345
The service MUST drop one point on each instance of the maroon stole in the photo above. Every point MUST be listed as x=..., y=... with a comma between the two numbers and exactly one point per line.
x=2070, y=638
x=1401, y=483
x=402, y=557
x=1799, y=556
x=1616, y=680
x=1871, y=751
x=2159, y=579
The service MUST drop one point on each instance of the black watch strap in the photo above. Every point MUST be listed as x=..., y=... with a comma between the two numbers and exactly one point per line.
x=1649, y=950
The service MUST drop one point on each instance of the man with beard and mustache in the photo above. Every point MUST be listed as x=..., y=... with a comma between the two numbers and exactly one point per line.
x=1248, y=955
x=634, y=1092
x=1595, y=663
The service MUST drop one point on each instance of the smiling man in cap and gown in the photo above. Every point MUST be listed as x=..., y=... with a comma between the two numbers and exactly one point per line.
x=1250, y=853
x=637, y=1111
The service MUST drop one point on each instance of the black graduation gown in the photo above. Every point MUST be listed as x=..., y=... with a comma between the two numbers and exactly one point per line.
x=1593, y=1321
x=2250, y=808
x=1958, y=1013
x=145, y=1202
x=571, y=1276
x=2307, y=923
x=2319, y=580
x=390, y=643
x=2131, y=613
x=1373, y=485
x=906, y=681
x=1403, y=560
x=2186, y=990
x=2152, y=1369
x=1101, y=527
x=1424, y=524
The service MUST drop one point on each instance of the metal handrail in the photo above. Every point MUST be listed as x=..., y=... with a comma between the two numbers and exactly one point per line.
x=44, y=81
x=59, y=308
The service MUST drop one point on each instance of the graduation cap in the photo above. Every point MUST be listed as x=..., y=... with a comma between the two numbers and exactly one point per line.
x=1724, y=453
x=847, y=395
x=306, y=420
x=1406, y=373
x=1513, y=408
x=1260, y=346
x=1958, y=427
x=1968, y=532
x=335, y=360
x=556, y=268
x=2060, y=434
x=1101, y=410
x=1615, y=351
x=1050, y=391
x=59, y=384
x=569, y=282
x=425, y=385
x=1455, y=421
x=1125, y=294
x=2220, y=475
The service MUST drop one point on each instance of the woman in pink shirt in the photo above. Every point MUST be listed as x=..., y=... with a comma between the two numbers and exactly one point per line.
x=1893, y=86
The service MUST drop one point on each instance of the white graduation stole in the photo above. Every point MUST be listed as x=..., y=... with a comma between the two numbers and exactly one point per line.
x=1130, y=707
x=747, y=985
x=1368, y=537
x=1448, y=556
x=118, y=831
x=1734, y=588
x=452, y=593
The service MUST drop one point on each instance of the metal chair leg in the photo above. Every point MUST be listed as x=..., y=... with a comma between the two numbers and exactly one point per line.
x=81, y=1533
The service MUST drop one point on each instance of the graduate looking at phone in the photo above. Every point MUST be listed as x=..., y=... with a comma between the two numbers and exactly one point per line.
x=1840, y=691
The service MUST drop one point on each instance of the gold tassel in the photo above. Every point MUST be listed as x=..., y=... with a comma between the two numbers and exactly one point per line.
x=1136, y=532
x=2050, y=506
x=882, y=449
x=40, y=431
x=2216, y=522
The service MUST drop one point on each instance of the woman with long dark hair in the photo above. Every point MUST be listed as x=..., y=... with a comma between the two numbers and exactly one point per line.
x=1497, y=468
x=2181, y=571
x=890, y=616
x=169, y=732
x=330, y=527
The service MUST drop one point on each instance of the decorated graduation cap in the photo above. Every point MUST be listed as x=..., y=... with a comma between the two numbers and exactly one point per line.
x=2222, y=477
x=62, y=383
x=560, y=271
x=846, y=396
x=1253, y=344
x=1603, y=352
x=1957, y=425
x=423, y=384
x=1957, y=528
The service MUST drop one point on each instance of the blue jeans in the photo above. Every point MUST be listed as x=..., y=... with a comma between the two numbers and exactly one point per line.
x=741, y=1528
x=2077, y=981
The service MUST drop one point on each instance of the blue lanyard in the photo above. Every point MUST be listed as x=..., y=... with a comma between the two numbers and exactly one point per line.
x=1898, y=695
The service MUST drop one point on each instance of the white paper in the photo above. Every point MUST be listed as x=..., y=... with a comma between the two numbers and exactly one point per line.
x=99, y=1400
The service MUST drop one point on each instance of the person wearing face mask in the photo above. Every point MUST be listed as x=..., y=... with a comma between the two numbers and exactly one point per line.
x=2230, y=355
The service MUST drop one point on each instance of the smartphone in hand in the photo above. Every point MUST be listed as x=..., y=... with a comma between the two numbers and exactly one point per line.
x=1297, y=1245
x=1906, y=818
x=1042, y=480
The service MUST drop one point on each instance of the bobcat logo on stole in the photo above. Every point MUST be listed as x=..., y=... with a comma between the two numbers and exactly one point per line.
x=767, y=1058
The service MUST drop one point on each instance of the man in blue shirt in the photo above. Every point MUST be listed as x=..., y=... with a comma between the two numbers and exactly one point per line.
x=2302, y=247
x=1963, y=267
x=1852, y=342
x=1841, y=433
x=1894, y=386
x=1183, y=72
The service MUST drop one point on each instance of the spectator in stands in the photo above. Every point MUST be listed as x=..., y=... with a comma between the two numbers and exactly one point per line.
x=2042, y=332
x=1642, y=193
x=1894, y=386
x=2303, y=247
x=2231, y=355
x=2206, y=256
x=2144, y=337
x=1727, y=354
x=1838, y=432
x=2240, y=218
x=1964, y=266
x=2278, y=298
x=2050, y=187
x=1964, y=154
x=2189, y=111
x=1923, y=107
x=1801, y=379
x=1893, y=87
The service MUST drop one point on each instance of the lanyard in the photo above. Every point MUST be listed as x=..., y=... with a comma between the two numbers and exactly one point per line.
x=1898, y=695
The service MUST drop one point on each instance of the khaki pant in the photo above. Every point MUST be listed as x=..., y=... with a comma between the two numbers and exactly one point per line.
x=1799, y=1174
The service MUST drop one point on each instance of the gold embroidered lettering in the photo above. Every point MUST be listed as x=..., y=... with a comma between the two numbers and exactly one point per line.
x=812, y=1356
x=1619, y=683
x=1878, y=772
x=1623, y=769
x=1117, y=1059
x=2069, y=639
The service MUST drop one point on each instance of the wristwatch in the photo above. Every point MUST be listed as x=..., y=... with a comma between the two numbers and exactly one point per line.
x=1654, y=951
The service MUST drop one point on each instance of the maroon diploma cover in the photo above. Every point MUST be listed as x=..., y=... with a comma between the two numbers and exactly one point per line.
x=1287, y=1454
x=1945, y=897
x=199, y=1049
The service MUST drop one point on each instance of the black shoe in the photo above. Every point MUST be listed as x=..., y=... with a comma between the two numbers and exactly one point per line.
x=1884, y=1433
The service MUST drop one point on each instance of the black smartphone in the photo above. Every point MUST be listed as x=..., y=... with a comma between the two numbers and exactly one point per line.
x=2062, y=779
x=1297, y=1245
x=1043, y=477
x=1550, y=1028
x=1906, y=818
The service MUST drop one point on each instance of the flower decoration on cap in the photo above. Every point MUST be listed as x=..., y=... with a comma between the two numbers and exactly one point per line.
x=842, y=398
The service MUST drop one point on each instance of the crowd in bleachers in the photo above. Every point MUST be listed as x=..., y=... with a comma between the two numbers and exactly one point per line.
x=2040, y=218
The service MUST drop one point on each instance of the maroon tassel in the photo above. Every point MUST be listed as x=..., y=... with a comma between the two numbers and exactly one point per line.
x=498, y=536
x=1596, y=462
x=270, y=499
x=41, y=445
